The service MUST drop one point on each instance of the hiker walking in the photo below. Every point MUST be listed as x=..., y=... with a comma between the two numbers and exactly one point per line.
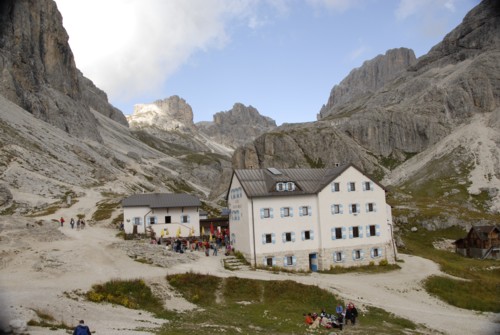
x=62, y=221
x=72, y=223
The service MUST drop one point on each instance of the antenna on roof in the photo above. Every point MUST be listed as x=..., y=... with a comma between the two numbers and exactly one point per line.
x=274, y=171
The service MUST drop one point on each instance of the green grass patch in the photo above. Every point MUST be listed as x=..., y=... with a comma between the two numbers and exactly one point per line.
x=105, y=210
x=479, y=291
x=47, y=321
x=381, y=267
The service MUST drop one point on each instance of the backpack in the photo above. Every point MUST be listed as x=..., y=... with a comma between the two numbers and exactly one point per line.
x=82, y=330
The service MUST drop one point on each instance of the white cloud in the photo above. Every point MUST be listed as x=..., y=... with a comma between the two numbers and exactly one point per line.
x=129, y=47
x=409, y=8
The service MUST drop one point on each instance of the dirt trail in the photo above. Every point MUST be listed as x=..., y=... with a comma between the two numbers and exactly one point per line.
x=47, y=276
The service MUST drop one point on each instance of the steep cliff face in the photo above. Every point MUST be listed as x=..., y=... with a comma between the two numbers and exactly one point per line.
x=38, y=70
x=237, y=126
x=371, y=76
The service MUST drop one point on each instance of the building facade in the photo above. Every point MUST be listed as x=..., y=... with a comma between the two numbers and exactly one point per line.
x=309, y=219
x=166, y=214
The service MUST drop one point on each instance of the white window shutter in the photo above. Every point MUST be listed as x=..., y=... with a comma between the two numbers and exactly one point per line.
x=309, y=211
x=311, y=234
x=332, y=208
x=333, y=234
x=273, y=238
x=360, y=229
x=189, y=219
x=282, y=211
x=283, y=237
x=368, y=231
x=350, y=232
x=374, y=207
x=264, y=261
x=263, y=238
x=293, y=236
x=377, y=230
x=300, y=211
x=358, y=208
x=271, y=213
x=371, y=186
x=303, y=235
x=348, y=187
x=343, y=256
x=262, y=213
x=284, y=261
x=380, y=252
x=364, y=186
x=344, y=235
x=362, y=254
x=367, y=207
x=294, y=260
x=274, y=261
x=371, y=252
x=341, y=209
x=354, y=255
x=350, y=208
x=291, y=212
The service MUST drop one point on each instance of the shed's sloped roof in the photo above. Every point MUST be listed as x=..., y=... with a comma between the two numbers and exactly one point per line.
x=483, y=232
x=161, y=200
x=261, y=182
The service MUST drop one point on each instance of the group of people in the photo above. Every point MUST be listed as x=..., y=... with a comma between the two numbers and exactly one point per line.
x=338, y=319
x=80, y=223
x=194, y=244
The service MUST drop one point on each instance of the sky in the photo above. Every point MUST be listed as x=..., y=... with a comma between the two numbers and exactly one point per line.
x=282, y=57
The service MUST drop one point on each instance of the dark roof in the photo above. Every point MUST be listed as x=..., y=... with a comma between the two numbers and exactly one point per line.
x=161, y=200
x=262, y=182
x=483, y=232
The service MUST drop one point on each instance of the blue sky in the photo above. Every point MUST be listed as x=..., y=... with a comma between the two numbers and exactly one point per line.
x=280, y=56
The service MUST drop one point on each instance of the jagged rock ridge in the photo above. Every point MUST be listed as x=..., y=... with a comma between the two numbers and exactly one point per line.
x=368, y=78
x=237, y=126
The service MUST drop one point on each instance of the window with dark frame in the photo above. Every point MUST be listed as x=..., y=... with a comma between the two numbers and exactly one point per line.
x=354, y=208
x=286, y=211
x=267, y=212
x=338, y=257
x=373, y=230
x=151, y=220
x=370, y=207
x=336, y=209
x=307, y=235
x=305, y=210
x=357, y=254
x=288, y=237
x=352, y=186
x=269, y=238
x=184, y=219
x=269, y=261
x=289, y=260
x=375, y=252
x=168, y=219
x=338, y=233
x=355, y=231
x=368, y=186
x=336, y=187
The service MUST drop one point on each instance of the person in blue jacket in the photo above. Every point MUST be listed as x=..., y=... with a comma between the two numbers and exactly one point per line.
x=82, y=329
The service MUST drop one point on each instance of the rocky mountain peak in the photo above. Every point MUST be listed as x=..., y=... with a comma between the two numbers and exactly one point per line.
x=172, y=113
x=365, y=80
x=239, y=125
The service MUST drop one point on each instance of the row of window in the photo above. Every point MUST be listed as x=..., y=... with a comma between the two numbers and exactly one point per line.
x=154, y=219
x=351, y=186
x=338, y=257
x=285, y=212
x=370, y=207
x=268, y=213
x=337, y=233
